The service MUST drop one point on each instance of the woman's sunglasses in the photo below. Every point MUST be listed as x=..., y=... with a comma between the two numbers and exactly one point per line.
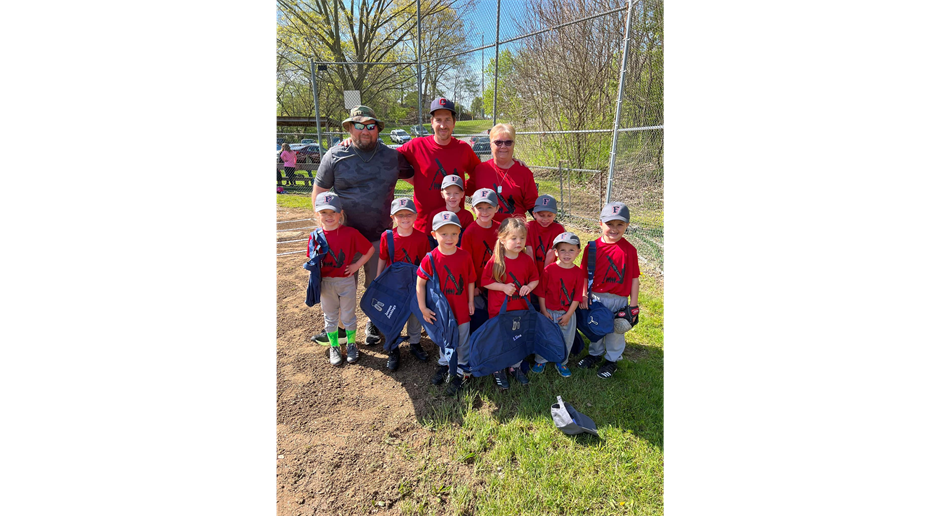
x=367, y=127
x=500, y=143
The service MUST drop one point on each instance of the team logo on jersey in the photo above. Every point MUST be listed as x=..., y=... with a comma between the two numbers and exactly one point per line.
x=518, y=285
x=487, y=253
x=338, y=261
x=565, y=298
x=458, y=287
x=508, y=203
x=540, y=251
x=620, y=274
x=407, y=258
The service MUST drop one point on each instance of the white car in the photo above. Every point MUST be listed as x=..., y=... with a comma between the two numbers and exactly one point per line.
x=399, y=136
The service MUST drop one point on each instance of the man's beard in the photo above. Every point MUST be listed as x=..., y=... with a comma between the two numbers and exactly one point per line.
x=365, y=147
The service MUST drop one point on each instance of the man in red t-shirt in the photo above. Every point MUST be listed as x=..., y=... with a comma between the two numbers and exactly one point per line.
x=435, y=157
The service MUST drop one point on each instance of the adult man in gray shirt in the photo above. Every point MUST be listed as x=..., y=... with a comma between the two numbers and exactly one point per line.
x=363, y=175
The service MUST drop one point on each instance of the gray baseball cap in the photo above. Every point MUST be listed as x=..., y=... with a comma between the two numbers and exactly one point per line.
x=403, y=203
x=615, y=211
x=567, y=238
x=328, y=201
x=444, y=218
x=452, y=180
x=545, y=203
x=484, y=195
x=570, y=421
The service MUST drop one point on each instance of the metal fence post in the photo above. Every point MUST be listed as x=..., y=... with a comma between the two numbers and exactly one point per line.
x=496, y=69
x=561, y=189
x=623, y=74
x=316, y=102
x=418, y=59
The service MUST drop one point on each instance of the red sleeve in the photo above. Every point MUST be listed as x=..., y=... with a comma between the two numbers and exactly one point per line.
x=487, y=274
x=361, y=243
x=578, y=287
x=530, y=192
x=584, y=260
x=425, y=266
x=540, y=288
x=471, y=271
x=308, y=244
x=530, y=233
x=532, y=270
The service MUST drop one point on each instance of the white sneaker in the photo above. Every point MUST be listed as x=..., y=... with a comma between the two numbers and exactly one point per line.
x=336, y=358
x=352, y=352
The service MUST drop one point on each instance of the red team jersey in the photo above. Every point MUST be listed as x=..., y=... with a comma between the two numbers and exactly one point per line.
x=431, y=163
x=515, y=188
x=411, y=248
x=560, y=287
x=541, y=239
x=519, y=271
x=464, y=216
x=480, y=243
x=616, y=266
x=456, y=275
x=344, y=243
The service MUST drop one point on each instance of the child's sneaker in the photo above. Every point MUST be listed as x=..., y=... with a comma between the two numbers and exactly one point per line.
x=519, y=375
x=607, y=370
x=336, y=358
x=372, y=334
x=563, y=370
x=538, y=368
x=456, y=384
x=323, y=340
x=418, y=353
x=589, y=361
x=441, y=375
x=394, y=358
x=352, y=353
x=501, y=381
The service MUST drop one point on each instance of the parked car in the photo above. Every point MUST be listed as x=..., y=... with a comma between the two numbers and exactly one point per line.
x=280, y=141
x=418, y=131
x=479, y=138
x=307, y=141
x=309, y=154
x=399, y=136
x=482, y=147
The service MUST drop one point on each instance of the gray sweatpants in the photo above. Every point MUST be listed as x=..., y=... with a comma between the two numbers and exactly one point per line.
x=568, y=332
x=368, y=269
x=613, y=344
x=338, y=300
x=463, y=336
x=414, y=329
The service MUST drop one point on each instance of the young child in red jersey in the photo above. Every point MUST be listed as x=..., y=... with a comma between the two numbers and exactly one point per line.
x=410, y=246
x=559, y=292
x=452, y=192
x=542, y=231
x=616, y=285
x=480, y=238
x=338, y=274
x=509, y=273
x=457, y=279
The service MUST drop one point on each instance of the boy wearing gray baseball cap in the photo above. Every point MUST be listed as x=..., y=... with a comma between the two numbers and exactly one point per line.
x=541, y=232
x=559, y=292
x=616, y=285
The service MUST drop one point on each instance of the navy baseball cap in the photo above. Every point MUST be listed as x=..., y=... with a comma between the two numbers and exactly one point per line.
x=545, y=203
x=452, y=180
x=403, y=203
x=570, y=421
x=442, y=103
x=484, y=195
x=567, y=238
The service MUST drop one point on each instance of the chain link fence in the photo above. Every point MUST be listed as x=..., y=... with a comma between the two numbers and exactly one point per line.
x=559, y=77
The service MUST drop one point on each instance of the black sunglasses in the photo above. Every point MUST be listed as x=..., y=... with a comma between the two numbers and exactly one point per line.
x=500, y=143
x=367, y=127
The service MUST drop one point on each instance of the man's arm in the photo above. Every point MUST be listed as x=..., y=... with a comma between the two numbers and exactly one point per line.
x=324, y=179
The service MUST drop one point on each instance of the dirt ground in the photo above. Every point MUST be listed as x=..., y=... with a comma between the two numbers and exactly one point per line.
x=340, y=429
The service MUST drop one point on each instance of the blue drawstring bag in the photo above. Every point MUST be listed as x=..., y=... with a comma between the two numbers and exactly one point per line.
x=317, y=248
x=597, y=320
x=387, y=301
x=443, y=331
x=512, y=336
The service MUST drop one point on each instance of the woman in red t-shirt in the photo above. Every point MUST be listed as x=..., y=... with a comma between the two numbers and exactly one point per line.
x=513, y=182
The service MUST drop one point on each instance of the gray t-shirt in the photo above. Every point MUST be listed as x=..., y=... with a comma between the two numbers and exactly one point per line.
x=366, y=189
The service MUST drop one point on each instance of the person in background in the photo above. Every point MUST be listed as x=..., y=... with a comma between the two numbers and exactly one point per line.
x=289, y=158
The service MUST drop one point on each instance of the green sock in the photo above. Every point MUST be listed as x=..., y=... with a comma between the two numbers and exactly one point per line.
x=334, y=338
x=350, y=336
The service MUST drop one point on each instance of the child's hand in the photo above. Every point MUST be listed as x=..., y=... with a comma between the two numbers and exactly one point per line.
x=351, y=269
x=583, y=304
x=471, y=307
x=428, y=314
x=509, y=289
x=564, y=320
x=545, y=313
x=524, y=291
x=476, y=291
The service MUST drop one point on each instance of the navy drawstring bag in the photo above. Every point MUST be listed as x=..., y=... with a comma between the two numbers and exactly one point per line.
x=317, y=248
x=443, y=331
x=387, y=301
x=597, y=320
x=512, y=336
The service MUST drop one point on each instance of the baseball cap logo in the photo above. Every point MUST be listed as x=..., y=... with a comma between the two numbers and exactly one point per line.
x=442, y=102
x=328, y=198
x=615, y=209
x=544, y=202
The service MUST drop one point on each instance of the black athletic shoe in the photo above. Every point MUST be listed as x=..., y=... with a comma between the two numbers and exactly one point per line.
x=373, y=336
x=456, y=384
x=501, y=380
x=321, y=337
x=394, y=357
x=519, y=375
x=441, y=375
x=418, y=352
x=589, y=361
x=607, y=370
